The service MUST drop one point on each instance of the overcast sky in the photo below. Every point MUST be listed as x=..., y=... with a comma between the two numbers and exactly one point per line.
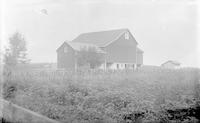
x=164, y=29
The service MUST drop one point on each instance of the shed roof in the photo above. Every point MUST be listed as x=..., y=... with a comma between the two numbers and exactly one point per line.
x=172, y=62
x=79, y=46
x=101, y=38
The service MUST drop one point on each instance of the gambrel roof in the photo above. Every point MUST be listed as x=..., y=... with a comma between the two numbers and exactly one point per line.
x=102, y=38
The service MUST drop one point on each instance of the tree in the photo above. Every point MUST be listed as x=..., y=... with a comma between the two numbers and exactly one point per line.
x=89, y=56
x=16, y=51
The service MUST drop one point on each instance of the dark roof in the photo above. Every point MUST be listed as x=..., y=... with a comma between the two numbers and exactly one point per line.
x=102, y=38
x=79, y=46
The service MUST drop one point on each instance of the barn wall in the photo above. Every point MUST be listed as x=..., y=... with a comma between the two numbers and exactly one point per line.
x=139, y=58
x=122, y=50
x=121, y=66
x=66, y=60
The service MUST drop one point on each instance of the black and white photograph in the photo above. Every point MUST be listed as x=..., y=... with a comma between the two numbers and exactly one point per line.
x=99, y=61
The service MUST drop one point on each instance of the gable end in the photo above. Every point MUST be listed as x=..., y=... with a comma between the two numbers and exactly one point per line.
x=122, y=34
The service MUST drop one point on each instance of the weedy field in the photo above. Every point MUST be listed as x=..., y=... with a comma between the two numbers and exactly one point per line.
x=145, y=95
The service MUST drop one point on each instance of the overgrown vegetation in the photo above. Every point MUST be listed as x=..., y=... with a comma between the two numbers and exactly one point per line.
x=107, y=96
x=89, y=57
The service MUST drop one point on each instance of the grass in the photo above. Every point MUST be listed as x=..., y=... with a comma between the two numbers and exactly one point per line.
x=97, y=96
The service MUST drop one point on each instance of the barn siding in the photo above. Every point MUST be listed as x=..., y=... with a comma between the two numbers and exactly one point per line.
x=122, y=50
x=66, y=60
x=139, y=58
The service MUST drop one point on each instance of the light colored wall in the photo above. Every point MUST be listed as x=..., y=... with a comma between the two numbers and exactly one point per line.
x=113, y=66
x=140, y=58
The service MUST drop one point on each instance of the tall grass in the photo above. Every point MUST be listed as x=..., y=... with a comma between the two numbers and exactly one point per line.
x=103, y=96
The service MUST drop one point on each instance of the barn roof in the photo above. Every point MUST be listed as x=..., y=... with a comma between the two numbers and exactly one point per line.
x=102, y=38
x=79, y=46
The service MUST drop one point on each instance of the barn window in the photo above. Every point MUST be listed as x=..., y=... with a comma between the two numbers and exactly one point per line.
x=126, y=35
x=65, y=50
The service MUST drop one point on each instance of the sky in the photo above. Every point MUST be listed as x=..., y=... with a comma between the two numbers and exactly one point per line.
x=164, y=29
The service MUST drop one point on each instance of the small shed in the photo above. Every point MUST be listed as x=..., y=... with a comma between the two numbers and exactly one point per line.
x=171, y=64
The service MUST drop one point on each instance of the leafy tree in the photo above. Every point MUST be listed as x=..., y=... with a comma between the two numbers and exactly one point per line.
x=89, y=56
x=16, y=52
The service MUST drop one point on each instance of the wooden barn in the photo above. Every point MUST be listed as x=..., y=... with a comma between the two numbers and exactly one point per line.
x=118, y=46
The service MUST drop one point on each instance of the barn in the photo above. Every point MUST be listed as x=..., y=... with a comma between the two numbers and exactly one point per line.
x=119, y=47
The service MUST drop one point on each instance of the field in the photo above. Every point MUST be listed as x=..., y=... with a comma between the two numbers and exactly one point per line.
x=145, y=95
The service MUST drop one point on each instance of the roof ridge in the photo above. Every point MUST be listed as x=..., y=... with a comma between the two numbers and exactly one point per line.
x=173, y=61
